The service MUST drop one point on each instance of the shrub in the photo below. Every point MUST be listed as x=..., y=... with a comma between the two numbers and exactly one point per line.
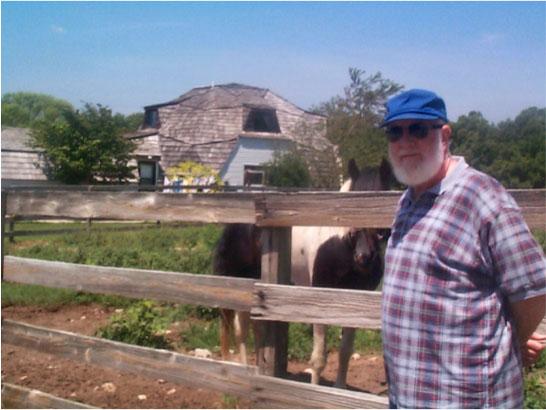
x=140, y=325
x=287, y=170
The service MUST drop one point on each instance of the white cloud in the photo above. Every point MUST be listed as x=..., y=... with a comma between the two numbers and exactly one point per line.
x=491, y=38
x=57, y=29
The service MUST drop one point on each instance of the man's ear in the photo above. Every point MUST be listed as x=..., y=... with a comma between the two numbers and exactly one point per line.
x=446, y=134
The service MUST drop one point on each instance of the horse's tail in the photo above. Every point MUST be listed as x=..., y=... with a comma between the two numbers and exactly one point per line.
x=226, y=330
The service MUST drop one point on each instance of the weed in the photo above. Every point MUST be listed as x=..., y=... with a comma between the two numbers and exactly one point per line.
x=229, y=401
x=140, y=325
x=203, y=336
x=535, y=391
x=300, y=341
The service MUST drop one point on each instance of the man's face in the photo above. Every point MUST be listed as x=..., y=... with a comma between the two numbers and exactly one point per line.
x=418, y=153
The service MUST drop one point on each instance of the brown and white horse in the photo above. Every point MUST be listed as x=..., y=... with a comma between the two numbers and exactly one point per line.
x=334, y=257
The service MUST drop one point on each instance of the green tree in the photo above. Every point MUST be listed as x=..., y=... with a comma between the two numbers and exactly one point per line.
x=129, y=123
x=512, y=152
x=474, y=138
x=524, y=150
x=84, y=146
x=363, y=98
x=287, y=169
x=24, y=109
x=354, y=117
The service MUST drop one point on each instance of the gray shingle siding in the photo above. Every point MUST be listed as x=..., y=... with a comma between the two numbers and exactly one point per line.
x=19, y=160
x=206, y=123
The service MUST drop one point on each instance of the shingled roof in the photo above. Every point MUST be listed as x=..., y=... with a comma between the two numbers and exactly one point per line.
x=19, y=160
x=205, y=124
x=16, y=139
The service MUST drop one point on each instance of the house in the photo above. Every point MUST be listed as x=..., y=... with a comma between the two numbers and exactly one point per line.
x=233, y=129
x=21, y=164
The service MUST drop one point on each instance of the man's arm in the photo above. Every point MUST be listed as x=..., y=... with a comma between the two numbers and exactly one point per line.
x=527, y=315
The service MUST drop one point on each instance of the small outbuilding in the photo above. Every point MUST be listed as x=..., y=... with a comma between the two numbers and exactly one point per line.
x=21, y=163
x=234, y=129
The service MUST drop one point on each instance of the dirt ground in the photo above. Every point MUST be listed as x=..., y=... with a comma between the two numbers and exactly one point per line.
x=106, y=388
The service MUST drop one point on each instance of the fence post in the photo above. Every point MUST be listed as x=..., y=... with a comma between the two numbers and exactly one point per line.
x=11, y=226
x=4, y=210
x=276, y=264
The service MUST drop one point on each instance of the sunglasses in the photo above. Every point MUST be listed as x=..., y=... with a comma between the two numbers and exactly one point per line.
x=416, y=130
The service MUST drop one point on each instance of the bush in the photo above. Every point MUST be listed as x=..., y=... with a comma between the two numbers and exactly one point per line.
x=287, y=170
x=140, y=325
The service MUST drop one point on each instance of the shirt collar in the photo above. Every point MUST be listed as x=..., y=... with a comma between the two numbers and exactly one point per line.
x=451, y=179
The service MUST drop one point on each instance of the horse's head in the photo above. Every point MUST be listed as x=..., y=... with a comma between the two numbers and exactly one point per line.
x=370, y=178
x=365, y=243
x=365, y=246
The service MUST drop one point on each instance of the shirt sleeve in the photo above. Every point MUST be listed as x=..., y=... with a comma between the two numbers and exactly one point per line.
x=518, y=259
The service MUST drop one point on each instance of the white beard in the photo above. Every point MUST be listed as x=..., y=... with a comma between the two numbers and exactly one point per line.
x=417, y=171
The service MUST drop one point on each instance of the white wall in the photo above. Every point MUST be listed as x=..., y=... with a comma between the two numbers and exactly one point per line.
x=250, y=151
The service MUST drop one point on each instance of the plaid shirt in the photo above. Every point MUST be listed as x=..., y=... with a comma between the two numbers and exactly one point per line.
x=455, y=260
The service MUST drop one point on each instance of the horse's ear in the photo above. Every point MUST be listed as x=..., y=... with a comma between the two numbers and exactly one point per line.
x=385, y=174
x=354, y=172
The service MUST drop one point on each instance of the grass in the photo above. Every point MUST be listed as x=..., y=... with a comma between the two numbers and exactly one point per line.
x=14, y=294
x=535, y=384
x=185, y=249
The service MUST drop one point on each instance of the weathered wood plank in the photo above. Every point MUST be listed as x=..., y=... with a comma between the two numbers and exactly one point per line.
x=275, y=265
x=533, y=206
x=360, y=209
x=265, y=301
x=363, y=209
x=221, y=376
x=4, y=212
x=339, y=307
x=215, y=375
x=211, y=208
x=214, y=291
x=269, y=392
x=17, y=397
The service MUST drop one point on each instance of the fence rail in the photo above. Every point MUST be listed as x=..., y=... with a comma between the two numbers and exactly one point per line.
x=265, y=301
x=217, y=291
x=225, y=377
x=270, y=300
x=17, y=397
x=359, y=209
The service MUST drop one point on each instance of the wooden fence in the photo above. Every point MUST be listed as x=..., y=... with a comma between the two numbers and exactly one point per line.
x=269, y=300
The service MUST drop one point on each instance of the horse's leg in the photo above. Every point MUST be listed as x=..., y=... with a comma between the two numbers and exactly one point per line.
x=318, y=357
x=345, y=352
x=242, y=323
x=258, y=329
x=226, y=319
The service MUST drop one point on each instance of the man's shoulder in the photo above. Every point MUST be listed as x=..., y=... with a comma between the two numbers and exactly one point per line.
x=483, y=189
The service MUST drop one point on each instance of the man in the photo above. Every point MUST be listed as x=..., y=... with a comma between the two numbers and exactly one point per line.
x=465, y=282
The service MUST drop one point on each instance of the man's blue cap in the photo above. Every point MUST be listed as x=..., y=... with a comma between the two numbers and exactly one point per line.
x=415, y=105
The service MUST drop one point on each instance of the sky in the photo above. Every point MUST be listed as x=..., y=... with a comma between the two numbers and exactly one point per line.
x=488, y=57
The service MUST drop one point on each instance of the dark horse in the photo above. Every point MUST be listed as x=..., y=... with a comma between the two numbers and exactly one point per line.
x=334, y=257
